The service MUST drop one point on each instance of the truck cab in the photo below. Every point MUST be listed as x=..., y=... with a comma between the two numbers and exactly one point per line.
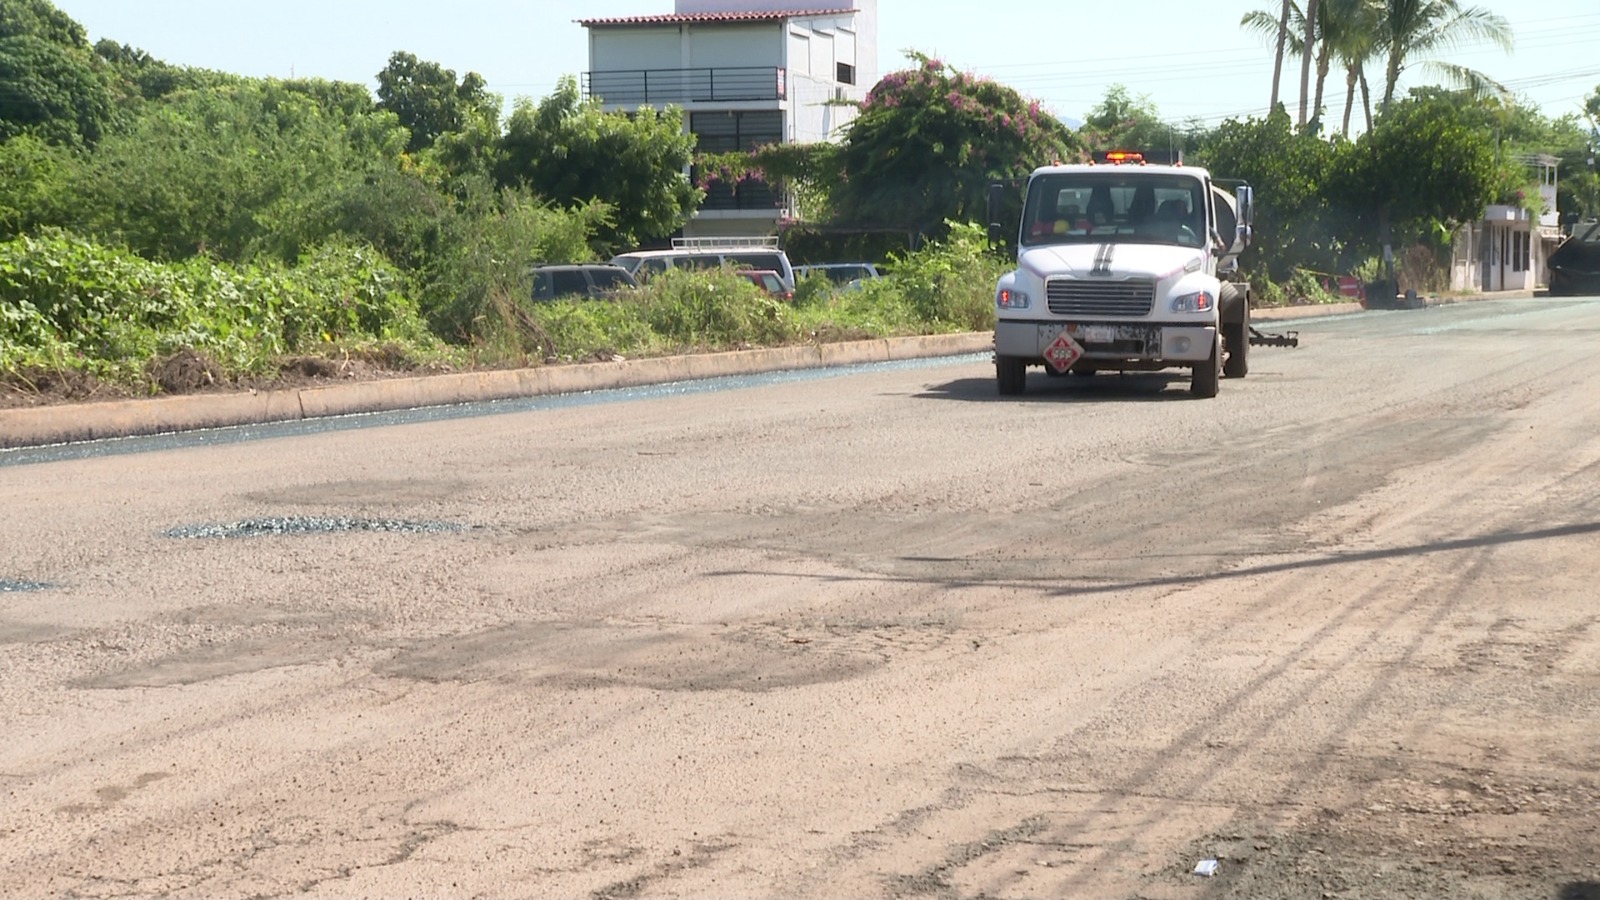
x=1121, y=266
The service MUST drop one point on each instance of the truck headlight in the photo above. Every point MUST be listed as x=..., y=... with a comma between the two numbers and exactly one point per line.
x=1009, y=298
x=1199, y=301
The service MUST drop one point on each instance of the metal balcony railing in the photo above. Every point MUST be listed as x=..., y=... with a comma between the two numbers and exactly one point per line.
x=649, y=87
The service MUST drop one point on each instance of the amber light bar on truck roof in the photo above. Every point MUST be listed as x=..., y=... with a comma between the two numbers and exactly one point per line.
x=1136, y=157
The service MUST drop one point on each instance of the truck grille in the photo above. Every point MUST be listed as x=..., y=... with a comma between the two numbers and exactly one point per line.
x=1090, y=299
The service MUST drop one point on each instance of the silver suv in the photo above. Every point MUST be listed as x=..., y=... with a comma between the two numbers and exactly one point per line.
x=710, y=253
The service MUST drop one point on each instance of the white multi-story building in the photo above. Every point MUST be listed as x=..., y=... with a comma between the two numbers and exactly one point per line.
x=746, y=73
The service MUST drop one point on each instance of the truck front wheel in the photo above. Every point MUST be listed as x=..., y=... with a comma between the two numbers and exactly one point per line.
x=1011, y=375
x=1203, y=382
x=1236, y=334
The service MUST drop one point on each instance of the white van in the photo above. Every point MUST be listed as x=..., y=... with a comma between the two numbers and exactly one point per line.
x=710, y=253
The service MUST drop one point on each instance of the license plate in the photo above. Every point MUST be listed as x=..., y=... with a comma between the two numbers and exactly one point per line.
x=1097, y=334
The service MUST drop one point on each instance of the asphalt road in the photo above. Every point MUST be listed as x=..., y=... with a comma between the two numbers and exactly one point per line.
x=878, y=635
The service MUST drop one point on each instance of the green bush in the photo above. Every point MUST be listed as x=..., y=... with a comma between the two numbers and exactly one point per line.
x=580, y=329
x=68, y=303
x=1303, y=288
x=477, y=273
x=344, y=291
x=949, y=284
x=714, y=309
x=878, y=308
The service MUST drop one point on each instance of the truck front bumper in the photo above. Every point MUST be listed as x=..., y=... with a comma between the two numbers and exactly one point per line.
x=1108, y=342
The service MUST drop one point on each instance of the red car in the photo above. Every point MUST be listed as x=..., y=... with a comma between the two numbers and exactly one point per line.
x=769, y=281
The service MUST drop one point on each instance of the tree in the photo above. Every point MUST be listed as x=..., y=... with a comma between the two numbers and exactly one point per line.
x=34, y=184
x=50, y=83
x=1343, y=29
x=1121, y=121
x=1288, y=169
x=1277, y=59
x=1423, y=170
x=1351, y=33
x=143, y=77
x=430, y=103
x=930, y=140
x=1519, y=133
x=232, y=172
x=1415, y=28
x=1289, y=30
x=1580, y=182
x=1312, y=37
x=569, y=151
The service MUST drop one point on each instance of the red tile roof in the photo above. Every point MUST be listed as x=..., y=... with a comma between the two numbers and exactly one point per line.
x=714, y=18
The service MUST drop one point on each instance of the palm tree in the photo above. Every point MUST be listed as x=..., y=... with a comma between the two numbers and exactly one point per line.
x=1294, y=33
x=1413, y=28
x=1277, y=28
x=1305, y=60
x=1350, y=33
x=1277, y=61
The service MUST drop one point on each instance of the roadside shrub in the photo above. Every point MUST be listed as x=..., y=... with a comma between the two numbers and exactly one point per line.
x=813, y=289
x=711, y=309
x=878, y=308
x=1303, y=288
x=343, y=291
x=68, y=303
x=578, y=329
x=949, y=284
x=478, y=272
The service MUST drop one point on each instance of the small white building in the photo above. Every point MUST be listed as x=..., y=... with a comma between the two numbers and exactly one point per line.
x=1509, y=249
x=746, y=73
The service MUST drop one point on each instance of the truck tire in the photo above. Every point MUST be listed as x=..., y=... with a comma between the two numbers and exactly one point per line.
x=1010, y=375
x=1203, y=381
x=1235, y=334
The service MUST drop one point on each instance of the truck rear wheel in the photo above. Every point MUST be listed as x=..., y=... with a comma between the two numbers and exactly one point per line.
x=1206, y=375
x=1236, y=335
x=1011, y=375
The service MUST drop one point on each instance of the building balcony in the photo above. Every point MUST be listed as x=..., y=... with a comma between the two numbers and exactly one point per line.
x=750, y=195
x=659, y=87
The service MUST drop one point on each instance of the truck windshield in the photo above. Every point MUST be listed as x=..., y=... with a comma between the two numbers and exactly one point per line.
x=1115, y=206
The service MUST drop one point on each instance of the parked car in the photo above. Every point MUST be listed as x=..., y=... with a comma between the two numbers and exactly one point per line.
x=844, y=275
x=710, y=253
x=769, y=281
x=1575, y=265
x=555, y=282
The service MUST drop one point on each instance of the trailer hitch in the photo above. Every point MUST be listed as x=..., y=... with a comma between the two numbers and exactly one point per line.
x=1264, y=339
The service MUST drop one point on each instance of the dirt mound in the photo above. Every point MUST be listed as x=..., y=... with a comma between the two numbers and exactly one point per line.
x=185, y=372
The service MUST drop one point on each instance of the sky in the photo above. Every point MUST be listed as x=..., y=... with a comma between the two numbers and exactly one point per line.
x=1064, y=53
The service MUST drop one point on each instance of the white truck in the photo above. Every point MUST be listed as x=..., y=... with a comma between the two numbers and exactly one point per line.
x=1120, y=267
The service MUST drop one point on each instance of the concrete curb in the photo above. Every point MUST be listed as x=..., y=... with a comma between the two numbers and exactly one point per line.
x=41, y=426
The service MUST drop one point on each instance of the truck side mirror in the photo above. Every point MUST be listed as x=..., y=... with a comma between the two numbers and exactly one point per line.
x=997, y=199
x=1245, y=196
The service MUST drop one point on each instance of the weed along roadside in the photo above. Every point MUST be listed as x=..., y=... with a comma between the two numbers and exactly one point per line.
x=148, y=329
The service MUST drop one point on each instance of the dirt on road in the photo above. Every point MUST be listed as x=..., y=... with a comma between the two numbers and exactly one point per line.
x=876, y=635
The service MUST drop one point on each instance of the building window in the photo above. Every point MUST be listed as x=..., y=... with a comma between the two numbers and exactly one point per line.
x=847, y=73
